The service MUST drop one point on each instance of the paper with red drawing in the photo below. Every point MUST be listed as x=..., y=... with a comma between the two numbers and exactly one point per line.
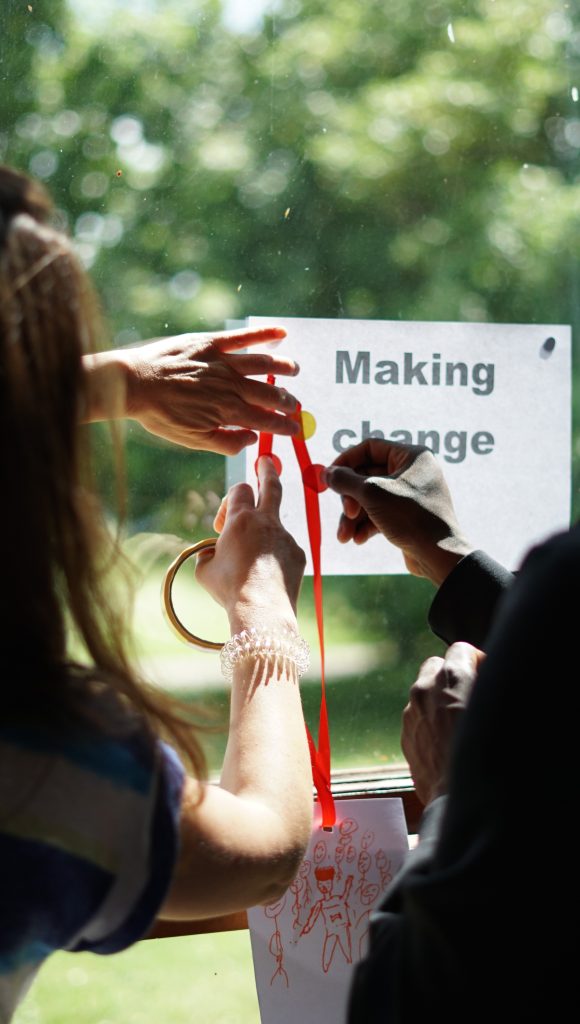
x=305, y=945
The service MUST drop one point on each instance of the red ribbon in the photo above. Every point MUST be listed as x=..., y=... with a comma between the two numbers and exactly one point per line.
x=313, y=484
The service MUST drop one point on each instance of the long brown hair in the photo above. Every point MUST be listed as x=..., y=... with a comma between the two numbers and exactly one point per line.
x=56, y=547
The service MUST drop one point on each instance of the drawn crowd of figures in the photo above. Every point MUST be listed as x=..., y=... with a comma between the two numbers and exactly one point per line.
x=332, y=898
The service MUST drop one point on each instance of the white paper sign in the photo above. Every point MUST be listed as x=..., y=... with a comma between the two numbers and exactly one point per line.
x=492, y=400
x=305, y=944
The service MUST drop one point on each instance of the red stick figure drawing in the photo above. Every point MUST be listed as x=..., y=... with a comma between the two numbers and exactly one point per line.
x=297, y=889
x=304, y=873
x=347, y=829
x=367, y=839
x=368, y=895
x=364, y=863
x=334, y=911
x=338, y=859
x=384, y=865
x=275, y=946
x=319, y=852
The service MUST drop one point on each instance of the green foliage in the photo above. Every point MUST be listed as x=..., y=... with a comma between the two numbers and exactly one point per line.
x=404, y=159
x=424, y=178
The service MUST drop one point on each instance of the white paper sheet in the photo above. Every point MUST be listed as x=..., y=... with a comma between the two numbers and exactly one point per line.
x=495, y=399
x=305, y=944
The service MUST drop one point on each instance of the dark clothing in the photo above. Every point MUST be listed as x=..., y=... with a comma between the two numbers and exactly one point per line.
x=475, y=925
x=465, y=604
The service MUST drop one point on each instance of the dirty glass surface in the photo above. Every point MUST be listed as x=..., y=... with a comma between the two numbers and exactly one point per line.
x=398, y=159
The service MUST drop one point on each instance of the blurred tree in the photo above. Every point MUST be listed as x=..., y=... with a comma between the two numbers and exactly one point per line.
x=401, y=159
x=28, y=34
x=413, y=159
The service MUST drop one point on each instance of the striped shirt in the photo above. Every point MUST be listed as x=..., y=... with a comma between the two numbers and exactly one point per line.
x=88, y=841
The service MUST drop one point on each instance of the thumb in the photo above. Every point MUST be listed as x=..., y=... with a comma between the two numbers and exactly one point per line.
x=221, y=515
x=345, y=481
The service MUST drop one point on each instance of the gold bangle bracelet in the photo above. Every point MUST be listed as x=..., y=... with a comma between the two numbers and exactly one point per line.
x=168, y=607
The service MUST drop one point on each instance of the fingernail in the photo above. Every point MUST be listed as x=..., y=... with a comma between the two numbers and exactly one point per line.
x=273, y=459
x=296, y=368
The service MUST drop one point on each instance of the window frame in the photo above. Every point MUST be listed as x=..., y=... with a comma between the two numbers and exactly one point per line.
x=360, y=784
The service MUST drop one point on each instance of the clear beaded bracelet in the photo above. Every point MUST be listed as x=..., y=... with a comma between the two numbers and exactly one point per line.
x=285, y=645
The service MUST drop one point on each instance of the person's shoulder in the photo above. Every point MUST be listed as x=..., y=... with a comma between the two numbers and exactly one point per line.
x=540, y=604
x=89, y=729
x=559, y=552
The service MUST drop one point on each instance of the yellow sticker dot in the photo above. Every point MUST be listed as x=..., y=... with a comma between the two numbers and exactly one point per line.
x=308, y=424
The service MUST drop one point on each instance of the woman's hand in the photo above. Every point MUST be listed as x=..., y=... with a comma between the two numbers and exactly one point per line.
x=256, y=568
x=190, y=388
x=243, y=842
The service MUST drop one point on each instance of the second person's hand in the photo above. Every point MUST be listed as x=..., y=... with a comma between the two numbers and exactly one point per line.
x=400, y=491
x=437, y=700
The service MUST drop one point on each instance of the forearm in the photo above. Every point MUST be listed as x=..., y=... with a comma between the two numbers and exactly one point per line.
x=267, y=761
x=465, y=605
x=106, y=385
x=243, y=843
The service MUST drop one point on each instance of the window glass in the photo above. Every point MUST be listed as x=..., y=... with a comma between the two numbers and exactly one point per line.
x=412, y=159
x=397, y=159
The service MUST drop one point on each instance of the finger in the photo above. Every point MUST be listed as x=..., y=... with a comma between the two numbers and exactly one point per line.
x=364, y=530
x=427, y=672
x=270, y=488
x=345, y=530
x=261, y=363
x=220, y=516
x=373, y=450
x=239, y=497
x=360, y=529
x=229, y=341
x=267, y=420
x=377, y=457
x=350, y=507
x=462, y=659
x=223, y=441
x=268, y=396
x=345, y=481
x=203, y=557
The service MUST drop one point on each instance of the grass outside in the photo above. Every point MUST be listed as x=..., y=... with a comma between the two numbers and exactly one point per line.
x=205, y=978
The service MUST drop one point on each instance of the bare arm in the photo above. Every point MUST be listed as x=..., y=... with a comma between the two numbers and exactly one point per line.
x=243, y=842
